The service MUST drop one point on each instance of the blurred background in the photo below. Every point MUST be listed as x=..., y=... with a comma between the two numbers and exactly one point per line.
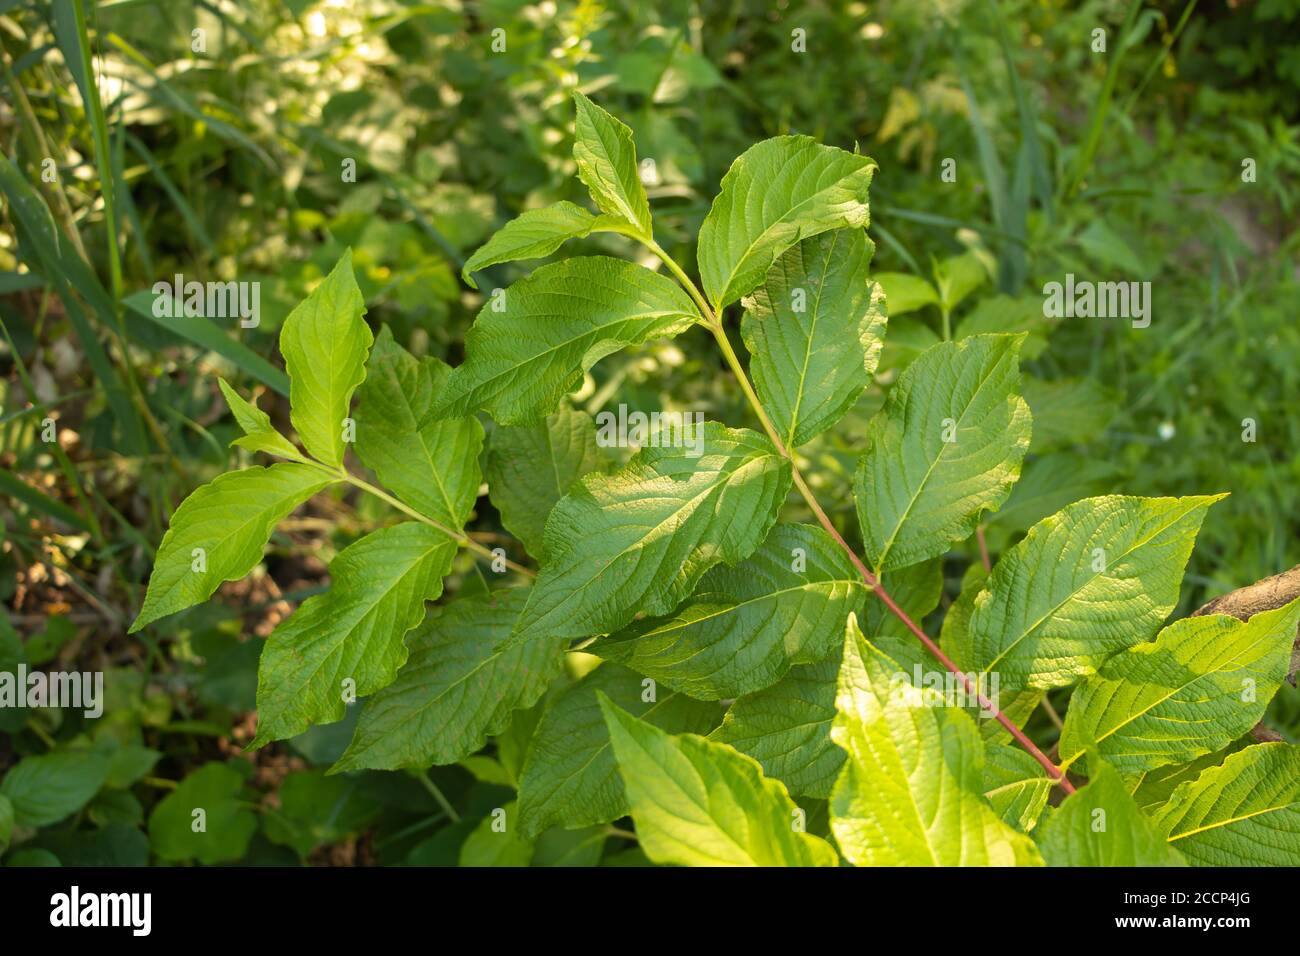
x=1016, y=144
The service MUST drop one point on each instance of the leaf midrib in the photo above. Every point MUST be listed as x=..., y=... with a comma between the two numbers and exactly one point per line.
x=1074, y=593
x=925, y=480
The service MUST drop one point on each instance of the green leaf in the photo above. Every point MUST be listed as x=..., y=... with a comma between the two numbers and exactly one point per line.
x=777, y=193
x=229, y=519
x=1048, y=484
x=129, y=763
x=560, y=847
x=1015, y=785
x=700, y=803
x=1002, y=313
x=1068, y=411
x=6, y=823
x=43, y=790
x=959, y=276
x=787, y=729
x=532, y=343
x=1203, y=682
x=352, y=632
x=606, y=158
x=570, y=777
x=955, y=641
x=917, y=589
x=947, y=445
x=746, y=625
x=639, y=540
x=228, y=826
x=315, y=810
x=429, y=463
x=1100, y=825
x=259, y=433
x=1096, y=577
x=457, y=688
x=534, y=234
x=815, y=329
x=1243, y=813
x=906, y=293
x=911, y=793
x=531, y=467
x=497, y=840
x=324, y=342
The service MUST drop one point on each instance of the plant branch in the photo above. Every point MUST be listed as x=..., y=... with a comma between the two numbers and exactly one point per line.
x=714, y=323
x=462, y=539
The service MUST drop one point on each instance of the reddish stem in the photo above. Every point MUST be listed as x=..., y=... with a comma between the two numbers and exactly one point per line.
x=984, y=548
x=1055, y=772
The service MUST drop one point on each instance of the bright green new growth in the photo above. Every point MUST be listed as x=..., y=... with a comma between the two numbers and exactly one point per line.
x=733, y=672
x=699, y=803
x=912, y=790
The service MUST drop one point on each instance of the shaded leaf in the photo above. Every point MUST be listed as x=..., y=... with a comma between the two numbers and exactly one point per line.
x=700, y=803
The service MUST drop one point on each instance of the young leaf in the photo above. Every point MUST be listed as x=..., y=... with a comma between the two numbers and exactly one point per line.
x=1200, y=685
x=531, y=467
x=1002, y=313
x=228, y=823
x=1098, y=576
x=534, y=234
x=746, y=625
x=347, y=643
x=776, y=193
x=1100, y=825
x=639, y=540
x=1015, y=784
x=906, y=293
x=430, y=463
x=815, y=329
x=532, y=343
x=218, y=532
x=324, y=342
x=947, y=445
x=570, y=777
x=911, y=793
x=457, y=688
x=700, y=803
x=491, y=845
x=1243, y=813
x=259, y=433
x=787, y=729
x=606, y=158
